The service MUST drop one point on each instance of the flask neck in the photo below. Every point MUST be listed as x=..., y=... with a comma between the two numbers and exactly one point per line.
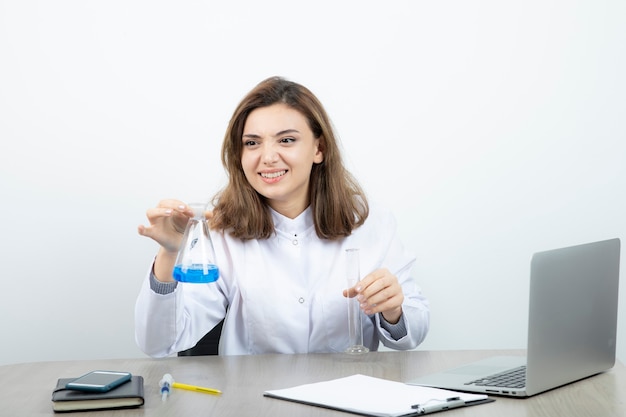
x=198, y=211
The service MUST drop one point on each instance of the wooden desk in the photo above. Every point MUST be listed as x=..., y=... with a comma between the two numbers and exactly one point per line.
x=26, y=388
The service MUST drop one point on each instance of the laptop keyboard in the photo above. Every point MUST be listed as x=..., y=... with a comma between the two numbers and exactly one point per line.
x=514, y=378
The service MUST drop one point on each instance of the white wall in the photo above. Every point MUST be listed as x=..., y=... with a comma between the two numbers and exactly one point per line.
x=493, y=128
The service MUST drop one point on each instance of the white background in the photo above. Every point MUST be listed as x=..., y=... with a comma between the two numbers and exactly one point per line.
x=493, y=129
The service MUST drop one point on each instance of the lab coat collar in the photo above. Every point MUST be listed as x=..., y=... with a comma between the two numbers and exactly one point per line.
x=298, y=226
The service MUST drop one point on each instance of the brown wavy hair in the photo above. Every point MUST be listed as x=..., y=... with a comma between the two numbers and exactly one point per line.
x=337, y=200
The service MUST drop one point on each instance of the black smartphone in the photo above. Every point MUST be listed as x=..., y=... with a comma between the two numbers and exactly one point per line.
x=99, y=381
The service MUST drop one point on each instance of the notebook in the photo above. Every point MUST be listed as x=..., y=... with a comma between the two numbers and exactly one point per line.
x=572, y=326
x=127, y=395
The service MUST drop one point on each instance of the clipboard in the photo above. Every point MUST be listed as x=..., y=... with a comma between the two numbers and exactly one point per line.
x=387, y=399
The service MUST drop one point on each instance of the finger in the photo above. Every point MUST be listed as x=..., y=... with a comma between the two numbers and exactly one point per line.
x=372, y=278
x=372, y=286
x=387, y=305
x=384, y=294
x=180, y=216
x=176, y=206
x=350, y=292
x=380, y=297
x=158, y=212
x=144, y=230
x=171, y=203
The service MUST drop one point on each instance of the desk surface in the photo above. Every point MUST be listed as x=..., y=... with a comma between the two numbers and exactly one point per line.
x=26, y=388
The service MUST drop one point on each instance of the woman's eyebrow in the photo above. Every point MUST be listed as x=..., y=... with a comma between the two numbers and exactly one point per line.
x=287, y=131
x=251, y=136
x=282, y=132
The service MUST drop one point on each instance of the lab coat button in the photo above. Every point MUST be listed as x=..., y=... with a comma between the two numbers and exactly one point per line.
x=295, y=242
x=301, y=300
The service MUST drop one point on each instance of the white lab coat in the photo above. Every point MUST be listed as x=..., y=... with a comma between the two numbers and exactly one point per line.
x=282, y=294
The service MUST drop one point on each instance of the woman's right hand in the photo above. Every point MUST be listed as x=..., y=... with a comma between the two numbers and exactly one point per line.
x=168, y=221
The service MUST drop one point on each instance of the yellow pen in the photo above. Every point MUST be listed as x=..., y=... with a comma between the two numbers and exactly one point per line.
x=196, y=388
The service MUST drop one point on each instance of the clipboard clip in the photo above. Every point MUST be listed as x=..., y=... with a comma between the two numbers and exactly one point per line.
x=435, y=404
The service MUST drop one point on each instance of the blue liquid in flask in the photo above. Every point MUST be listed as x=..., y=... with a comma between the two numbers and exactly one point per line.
x=196, y=273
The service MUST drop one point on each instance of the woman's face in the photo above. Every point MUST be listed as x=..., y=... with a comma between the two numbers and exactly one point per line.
x=279, y=151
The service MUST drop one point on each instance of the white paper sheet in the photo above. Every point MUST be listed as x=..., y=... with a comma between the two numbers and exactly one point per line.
x=363, y=394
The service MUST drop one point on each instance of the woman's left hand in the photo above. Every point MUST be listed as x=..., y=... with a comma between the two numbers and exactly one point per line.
x=379, y=292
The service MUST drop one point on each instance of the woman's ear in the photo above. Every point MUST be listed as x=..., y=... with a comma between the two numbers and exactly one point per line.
x=318, y=158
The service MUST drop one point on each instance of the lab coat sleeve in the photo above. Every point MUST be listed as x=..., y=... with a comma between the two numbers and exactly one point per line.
x=169, y=323
x=415, y=309
x=416, y=320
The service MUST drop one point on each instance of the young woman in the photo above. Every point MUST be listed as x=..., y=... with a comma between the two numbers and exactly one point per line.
x=280, y=228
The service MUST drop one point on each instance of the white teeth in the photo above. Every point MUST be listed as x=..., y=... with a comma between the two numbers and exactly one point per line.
x=273, y=174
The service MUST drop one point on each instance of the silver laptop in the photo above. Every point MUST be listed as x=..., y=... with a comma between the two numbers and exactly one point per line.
x=572, y=326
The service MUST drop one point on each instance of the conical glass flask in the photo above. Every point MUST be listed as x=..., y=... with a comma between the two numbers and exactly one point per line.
x=196, y=257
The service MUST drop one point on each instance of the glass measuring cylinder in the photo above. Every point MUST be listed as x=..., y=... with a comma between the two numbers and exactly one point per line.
x=355, y=327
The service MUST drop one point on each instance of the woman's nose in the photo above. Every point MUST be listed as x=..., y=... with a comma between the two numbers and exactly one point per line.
x=270, y=155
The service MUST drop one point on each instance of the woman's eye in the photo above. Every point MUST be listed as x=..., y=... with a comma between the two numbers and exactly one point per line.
x=250, y=143
x=287, y=140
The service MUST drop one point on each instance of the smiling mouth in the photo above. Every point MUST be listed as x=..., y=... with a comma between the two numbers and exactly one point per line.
x=272, y=175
